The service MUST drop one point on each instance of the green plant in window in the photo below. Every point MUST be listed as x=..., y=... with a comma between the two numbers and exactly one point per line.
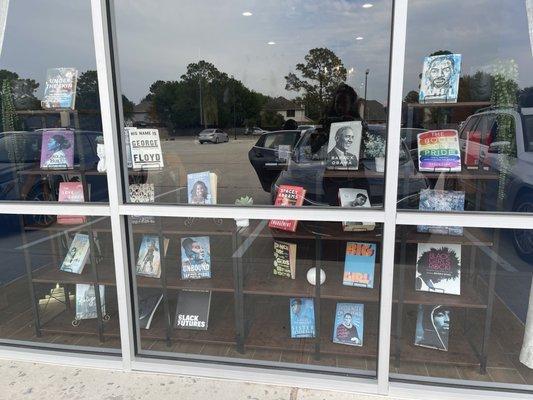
x=244, y=201
x=374, y=146
x=14, y=145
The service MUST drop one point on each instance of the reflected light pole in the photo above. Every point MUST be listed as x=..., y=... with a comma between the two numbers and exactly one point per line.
x=365, y=112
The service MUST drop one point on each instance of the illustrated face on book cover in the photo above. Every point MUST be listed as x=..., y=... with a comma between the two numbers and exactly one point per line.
x=195, y=251
x=440, y=78
x=55, y=147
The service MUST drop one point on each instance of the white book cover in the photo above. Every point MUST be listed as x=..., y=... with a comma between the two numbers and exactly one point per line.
x=145, y=148
x=357, y=198
x=77, y=254
x=438, y=268
x=344, y=145
x=86, y=301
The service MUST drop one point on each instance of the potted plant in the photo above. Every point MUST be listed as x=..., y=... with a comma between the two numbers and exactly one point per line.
x=243, y=201
x=375, y=149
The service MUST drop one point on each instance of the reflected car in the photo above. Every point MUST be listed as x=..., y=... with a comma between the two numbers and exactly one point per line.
x=255, y=131
x=305, y=127
x=213, y=136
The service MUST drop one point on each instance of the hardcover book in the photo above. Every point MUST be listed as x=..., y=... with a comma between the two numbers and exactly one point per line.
x=77, y=255
x=288, y=196
x=57, y=149
x=359, y=264
x=195, y=258
x=284, y=259
x=86, y=301
x=438, y=268
x=302, y=315
x=149, y=260
x=344, y=145
x=145, y=149
x=202, y=188
x=433, y=327
x=149, y=300
x=71, y=192
x=142, y=193
x=355, y=198
x=440, y=79
x=60, y=88
x=476, y=148
x=441, y=200
x=349, y=324
x=439, y=151
x=192, y=311
x=127, y=130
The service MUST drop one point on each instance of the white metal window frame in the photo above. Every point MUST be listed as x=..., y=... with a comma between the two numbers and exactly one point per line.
x=116, y=210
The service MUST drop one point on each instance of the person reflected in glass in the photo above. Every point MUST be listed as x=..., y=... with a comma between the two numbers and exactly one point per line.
x=346, y=331
x=199, y=193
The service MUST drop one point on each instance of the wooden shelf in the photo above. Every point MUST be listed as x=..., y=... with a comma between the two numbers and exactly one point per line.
x=71, y=171
x=52, y=274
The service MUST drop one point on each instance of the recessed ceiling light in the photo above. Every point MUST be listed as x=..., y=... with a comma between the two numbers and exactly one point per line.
x=271, y=43
x=359, y=38
x=247, y=14
x=368, y=5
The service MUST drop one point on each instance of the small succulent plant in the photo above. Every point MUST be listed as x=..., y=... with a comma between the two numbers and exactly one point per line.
x=244, y=201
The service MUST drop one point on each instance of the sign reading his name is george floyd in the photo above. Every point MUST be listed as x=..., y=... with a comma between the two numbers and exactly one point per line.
x=145, y=149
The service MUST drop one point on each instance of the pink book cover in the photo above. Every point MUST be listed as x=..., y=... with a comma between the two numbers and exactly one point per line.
x=71, y=192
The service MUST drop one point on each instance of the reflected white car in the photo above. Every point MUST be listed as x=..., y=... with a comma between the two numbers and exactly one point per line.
x=213, y=136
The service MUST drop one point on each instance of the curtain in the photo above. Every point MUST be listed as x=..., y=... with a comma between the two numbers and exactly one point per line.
x=526, y=355
x=4, y=4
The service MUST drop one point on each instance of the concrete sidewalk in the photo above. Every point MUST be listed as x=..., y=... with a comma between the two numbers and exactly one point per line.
x=20, y=380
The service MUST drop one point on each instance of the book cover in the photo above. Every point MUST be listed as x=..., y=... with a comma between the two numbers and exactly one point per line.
x=441, y=200
x=302, y=315
x=71, y=192
x=284, y=259
x=438, y=268
x=149, y=300
x=288, y=196
x=142, y=193
x=439, y=151
x=60, y=88
x=440, y=79
x=192, y=310
x=86, y=301
x=77, y=254
x=145, y=147
x=57, y=149
x=127, y=130
x=149, y=260
x=195, y=258
x=359, y=265
x=355, y=198
x=344, y=145
x=202, y=188
x=433, y=327
x=349, y=324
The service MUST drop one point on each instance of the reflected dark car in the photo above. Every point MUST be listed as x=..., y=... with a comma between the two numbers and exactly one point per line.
x=213, y=136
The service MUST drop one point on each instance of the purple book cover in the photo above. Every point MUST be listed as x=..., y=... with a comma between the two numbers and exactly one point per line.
x=57, y=149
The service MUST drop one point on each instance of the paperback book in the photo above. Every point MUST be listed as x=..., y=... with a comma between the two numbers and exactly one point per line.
x=202, y=188
x=476, y=148
x=86, y=301
x=60, y=88
x=142, y=193
x=439, y=151
x=145, y=149
x=438, y=268
x=344, y=145
x=284, y=259
x=192, y=311
x=57, y=149
x=348, y=327
x=356, y=198
x=441, y=200
x=149, y=300
x=127, y=130
x=302, y=315
x=77, y=255
x=71, y=192
x=433, y=327
x=149, y=260
x=195, y=258
x=359, y=265
x=440, y=79
x=288, y=196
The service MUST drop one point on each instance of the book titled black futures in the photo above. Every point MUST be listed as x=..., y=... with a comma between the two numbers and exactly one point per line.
x=192, y=311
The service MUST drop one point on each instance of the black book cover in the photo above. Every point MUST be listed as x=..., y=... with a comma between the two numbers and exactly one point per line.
x=149, y=300
x=192, y=311
x=433, y=327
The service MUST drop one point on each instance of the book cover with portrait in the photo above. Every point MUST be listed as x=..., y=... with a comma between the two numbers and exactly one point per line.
x=57, y=149
x=433, y=327
x=356, y=198
x=344, y=145
x=195, y=257
x=288, y=196
x=149, y=259
x=359, y=265
x=302, y=317
x=441, y=200
x=202, y=188
x=440, y=79
x=349, y=325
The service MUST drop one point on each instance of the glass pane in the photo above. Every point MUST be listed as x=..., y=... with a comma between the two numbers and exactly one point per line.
x=299, y=102
x=240, y=290
x=463, y=305
x=467, y=101
x=50, y=270
x=50, y=124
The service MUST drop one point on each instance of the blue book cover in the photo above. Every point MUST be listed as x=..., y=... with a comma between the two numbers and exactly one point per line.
x=77, y=254
x=60, y=88
x=359, y=264
x=149, y=259
x=441, y=200
x=195, y=258
x=199, y=188
x=349, y=325
x=440, y=79
x=302, y=312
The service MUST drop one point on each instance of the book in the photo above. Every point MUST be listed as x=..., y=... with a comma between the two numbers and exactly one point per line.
x=142, y=193
x=145, y=147
x=202, y=188
x=77, y=255
x=71, y=192
x=192, y=310
x=57, y=149
x=441, y=200
x=344, y=145
x=288, y=196
x=127, y=130
x=440, y=79
x=433, y=327
x=359, y=265
x=149, y=259
x=60, y=88
x=148, y=300
x=86, y=301
x=476, y=149
x=284, y=259
x=438, y=268
x=302, y=316
x=349, y=324
x=355, y=198
x=439, y=151
x=195, y=258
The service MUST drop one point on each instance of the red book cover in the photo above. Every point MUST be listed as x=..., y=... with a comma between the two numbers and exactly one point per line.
x=71, y=192
x=288, y=196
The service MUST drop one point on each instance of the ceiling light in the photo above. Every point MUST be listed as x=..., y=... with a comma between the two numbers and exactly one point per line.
x=247, y=14
x=368, y=5
x=359, y=38
x=271, y=43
